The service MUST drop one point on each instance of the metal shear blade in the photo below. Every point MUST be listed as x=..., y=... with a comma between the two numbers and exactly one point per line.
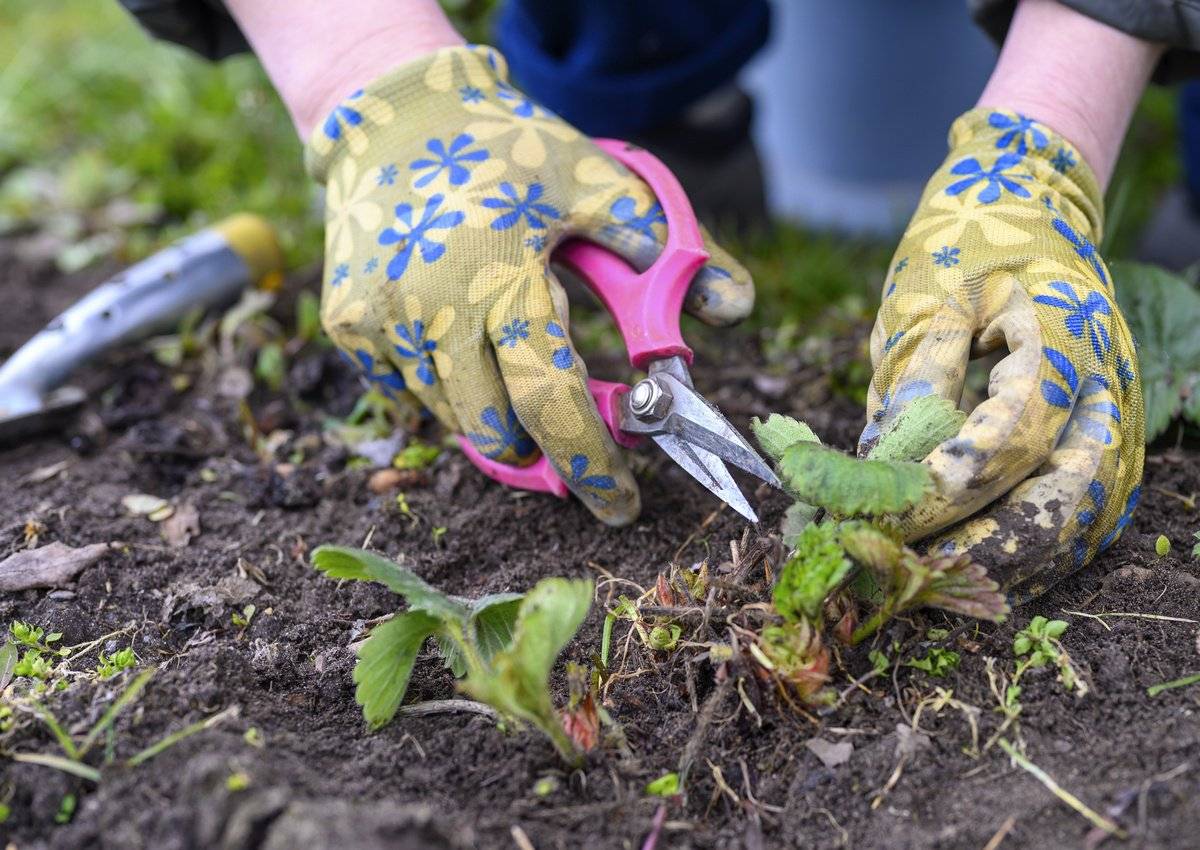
x=693, y=432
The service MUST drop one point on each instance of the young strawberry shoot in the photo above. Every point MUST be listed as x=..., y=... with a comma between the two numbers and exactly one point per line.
x=505, y=644
x=852, y=556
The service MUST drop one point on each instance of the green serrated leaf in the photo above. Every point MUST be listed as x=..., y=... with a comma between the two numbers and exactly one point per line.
x=495, y=620
x=8, y=663
x=1163, y=312
x=385, y=663
x=779, y=432
x=796, y=518
x=818, y=565
x=516, y=682
x=923, y=424
x=357, y=564
x=847, y=486
x=666, y=785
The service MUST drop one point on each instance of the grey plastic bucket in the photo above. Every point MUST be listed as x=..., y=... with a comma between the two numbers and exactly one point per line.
x=853, y=101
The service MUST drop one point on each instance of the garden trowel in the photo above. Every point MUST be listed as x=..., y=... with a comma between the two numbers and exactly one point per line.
x=206, y=270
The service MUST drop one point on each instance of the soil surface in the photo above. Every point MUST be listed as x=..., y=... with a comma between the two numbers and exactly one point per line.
x=310, y=775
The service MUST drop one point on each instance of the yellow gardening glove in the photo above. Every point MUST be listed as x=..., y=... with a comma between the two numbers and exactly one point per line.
x=1001, y=255
x=446, y=192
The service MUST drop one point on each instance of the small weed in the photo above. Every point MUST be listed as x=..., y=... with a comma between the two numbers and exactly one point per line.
x=1038, y=644
x=416, y=455
x=66, y=809
x=242, y=618
x=1162, y=546
x=666, y=785
x=239, y=780
x=939, y=662
x=1196, y=548
x=108, y=666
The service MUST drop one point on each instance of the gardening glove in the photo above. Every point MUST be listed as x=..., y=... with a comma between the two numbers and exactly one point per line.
x=446, y=192
x=1001, y=255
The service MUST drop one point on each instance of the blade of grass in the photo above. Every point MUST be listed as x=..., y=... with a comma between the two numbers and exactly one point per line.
x=1095, y=818
x=60, y=734
x=1155, y=690
x=175, y=737
x=119, y=704
x=76, y=768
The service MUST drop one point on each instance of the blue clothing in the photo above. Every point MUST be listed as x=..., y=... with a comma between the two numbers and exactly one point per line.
x=619, y=67
x=1189, y=136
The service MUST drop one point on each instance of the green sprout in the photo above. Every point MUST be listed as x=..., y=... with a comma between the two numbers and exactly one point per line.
x=1038, y=645
x=416, y=455
x=504, y=644
x=242, y=618
x=939, y=662
x=1162, y=546
x=108, y=666
x=666, y=785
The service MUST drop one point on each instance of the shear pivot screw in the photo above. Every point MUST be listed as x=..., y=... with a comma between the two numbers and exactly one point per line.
x=648, y=400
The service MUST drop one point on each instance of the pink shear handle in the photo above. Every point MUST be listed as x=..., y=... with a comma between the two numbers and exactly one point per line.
x=645, y=307
x=540, y=476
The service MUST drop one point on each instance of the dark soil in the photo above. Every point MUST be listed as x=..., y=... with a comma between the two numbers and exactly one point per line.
x=317, y=778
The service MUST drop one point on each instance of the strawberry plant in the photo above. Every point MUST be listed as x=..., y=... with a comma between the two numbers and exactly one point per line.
x=852, y=556
x=504, y=644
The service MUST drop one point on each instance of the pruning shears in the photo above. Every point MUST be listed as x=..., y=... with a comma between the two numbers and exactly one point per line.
x=646, y=307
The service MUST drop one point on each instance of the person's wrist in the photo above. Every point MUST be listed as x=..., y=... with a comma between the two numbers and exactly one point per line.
x=337, y=77
x=1076, y=75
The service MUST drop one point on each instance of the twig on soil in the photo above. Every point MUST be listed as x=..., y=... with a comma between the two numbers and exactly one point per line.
x=1001, y=833
x=703, y=721
x=520, y=838
x=1155, y=690
x=855, y=685
x=1133, y=614
x=1095, y=818
x=843, y=835
x=660, y=817
x=447, y=706
x=186, y=732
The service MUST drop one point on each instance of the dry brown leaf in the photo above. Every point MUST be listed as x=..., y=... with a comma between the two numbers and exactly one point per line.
x=179, y=528
x=830, y=754
x=50, y=566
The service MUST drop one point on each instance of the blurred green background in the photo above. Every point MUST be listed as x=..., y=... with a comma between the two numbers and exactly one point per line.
x=112, y=144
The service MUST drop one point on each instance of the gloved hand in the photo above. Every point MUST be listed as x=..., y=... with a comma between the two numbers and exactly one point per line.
x=1001, y=255
x=447, y=190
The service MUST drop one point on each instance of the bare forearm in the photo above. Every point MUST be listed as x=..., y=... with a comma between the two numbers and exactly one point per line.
x=1078, y=76
x=317, y=52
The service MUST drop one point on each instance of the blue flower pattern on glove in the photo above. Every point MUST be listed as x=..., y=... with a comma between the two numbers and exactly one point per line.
x=594, y=486
x=455, y=160
x=530, y=207
x=995, y=180
x=624, y=210
x=389, y=382
x=505, y=433
x=1123, y=521
x=415, y=346
x=946, y=257
x=1082, y=314
x=513, y=332
x=343, y=113
x=1017, y=129
x=1063, y=161
x=1060, y=394
x=562, y=358
x=1083, y=247
x=410, y=236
